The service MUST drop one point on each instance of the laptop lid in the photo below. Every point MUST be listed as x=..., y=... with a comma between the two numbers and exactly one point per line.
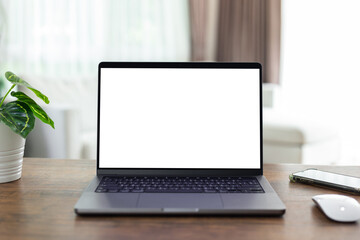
x=189, y=118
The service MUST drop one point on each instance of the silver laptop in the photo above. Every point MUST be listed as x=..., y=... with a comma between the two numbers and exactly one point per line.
x=179, y=138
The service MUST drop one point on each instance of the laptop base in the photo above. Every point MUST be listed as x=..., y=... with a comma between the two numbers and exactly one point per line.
x=92, y=203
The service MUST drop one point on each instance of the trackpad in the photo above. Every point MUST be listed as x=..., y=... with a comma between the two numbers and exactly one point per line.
x=180, y=200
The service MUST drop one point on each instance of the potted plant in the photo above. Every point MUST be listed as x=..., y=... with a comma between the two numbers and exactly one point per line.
x=17, y=120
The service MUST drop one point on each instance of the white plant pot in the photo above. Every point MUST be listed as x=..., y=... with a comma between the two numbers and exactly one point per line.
x=11, y=154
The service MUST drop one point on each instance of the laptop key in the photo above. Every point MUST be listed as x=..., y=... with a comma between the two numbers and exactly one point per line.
x=101, y=190
x=210, y=191
x=124, y=190
x=113, y=190
x=137, y=190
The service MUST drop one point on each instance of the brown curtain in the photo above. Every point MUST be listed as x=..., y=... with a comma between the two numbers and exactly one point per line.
x=248, y=31
x=272, y=41
x=198, y=19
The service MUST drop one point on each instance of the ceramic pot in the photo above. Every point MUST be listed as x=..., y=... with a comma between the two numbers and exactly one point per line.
x=11, y=154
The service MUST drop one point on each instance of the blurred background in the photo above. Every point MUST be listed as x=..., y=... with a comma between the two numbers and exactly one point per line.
x=309, y=50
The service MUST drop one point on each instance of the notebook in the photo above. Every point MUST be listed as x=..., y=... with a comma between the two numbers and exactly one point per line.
x=179, y=138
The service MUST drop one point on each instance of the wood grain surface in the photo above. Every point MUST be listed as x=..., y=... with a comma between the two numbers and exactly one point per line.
x=40, y=206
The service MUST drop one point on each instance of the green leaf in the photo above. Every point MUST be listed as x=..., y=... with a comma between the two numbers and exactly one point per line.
x=18, y=116
x=18, y=81
x=36, y=109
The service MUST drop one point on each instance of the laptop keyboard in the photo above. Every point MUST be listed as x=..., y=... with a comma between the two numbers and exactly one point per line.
x=179, y=185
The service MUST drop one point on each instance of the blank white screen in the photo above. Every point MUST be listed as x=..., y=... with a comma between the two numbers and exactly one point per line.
x=179, y=118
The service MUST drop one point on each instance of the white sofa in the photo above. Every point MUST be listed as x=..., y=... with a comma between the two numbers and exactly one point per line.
x=290, y=140
x=295, y=138
x=73, y=107
x=63, y=142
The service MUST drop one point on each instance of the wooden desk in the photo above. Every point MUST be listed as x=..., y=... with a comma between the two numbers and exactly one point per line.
x=40, y=206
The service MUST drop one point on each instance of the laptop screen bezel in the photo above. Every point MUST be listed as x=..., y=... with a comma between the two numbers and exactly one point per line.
x=180, y=171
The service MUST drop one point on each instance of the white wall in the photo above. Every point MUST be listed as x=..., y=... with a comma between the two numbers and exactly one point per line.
x=320, y=66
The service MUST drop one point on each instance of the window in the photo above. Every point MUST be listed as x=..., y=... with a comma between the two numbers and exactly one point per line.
x=66, y=39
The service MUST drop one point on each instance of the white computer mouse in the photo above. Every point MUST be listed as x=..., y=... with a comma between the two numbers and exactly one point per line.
x=339, y=208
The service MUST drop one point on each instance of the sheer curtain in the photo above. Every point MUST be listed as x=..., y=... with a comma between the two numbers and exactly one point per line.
x=56, y=45
x=65, y=39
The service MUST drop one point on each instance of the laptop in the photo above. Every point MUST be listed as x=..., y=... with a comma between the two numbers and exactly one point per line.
x=179, y=138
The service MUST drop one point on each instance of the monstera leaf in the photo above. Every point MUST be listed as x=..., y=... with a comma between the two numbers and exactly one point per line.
x=18, y=116
x=36, y=109
x=18, y=81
